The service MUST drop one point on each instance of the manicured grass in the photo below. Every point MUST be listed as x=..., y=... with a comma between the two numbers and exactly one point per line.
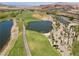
x=39, y=44
x=18, y=49
x=75, y=48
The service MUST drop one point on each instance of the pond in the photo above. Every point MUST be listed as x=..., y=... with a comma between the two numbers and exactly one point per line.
x=40, y=26
x=5, y=32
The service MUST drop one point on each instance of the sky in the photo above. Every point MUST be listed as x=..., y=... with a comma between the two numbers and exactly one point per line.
x=39, y=0
x=26, y=3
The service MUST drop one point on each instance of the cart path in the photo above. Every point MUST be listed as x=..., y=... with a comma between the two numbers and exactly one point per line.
x=26, y=46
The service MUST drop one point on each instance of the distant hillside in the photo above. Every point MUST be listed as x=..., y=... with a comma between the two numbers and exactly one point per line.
x=2, y=5
x=66, y=5
x=70, y=5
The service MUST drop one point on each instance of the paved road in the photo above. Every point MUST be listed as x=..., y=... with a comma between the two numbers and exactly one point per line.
x=25, y=42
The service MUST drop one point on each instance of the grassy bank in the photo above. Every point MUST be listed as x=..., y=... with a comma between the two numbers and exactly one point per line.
x=18, y=49
x=75, y=48
x=39, y=44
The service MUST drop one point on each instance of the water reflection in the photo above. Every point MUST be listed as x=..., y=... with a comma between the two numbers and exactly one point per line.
x=5, y=32
x=40, y=26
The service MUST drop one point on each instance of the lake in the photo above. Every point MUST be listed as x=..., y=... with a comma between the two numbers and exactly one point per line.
x=5, y=32
x=40, y=26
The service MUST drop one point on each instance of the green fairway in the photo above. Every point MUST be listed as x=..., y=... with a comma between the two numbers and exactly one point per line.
x=39, y=29
x=18, y=49
x=39, y=45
